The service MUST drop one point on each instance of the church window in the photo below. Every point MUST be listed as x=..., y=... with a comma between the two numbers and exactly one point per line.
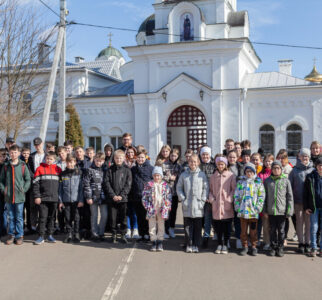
x=116, y=141
x=186, y=27
x=267, y=138
x=293, y=139
x=95, y=142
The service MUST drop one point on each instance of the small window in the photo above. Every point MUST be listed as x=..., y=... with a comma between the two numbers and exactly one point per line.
x=267, y=138
x=293, y=139
x=27, y=100
x=116, y=141
x=95, y=142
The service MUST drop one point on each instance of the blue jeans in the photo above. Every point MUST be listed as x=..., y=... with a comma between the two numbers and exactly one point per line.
x=208, y=220
x=132, y=221
x=98, y=229
x=314, y=219
x=15, y=212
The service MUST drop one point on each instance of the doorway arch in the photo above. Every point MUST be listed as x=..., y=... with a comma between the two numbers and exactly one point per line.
x=187, y=128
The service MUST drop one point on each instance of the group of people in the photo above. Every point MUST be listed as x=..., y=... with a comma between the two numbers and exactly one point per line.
x=84, y=194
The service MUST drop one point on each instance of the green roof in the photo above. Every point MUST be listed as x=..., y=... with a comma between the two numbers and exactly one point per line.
x=148, y=25
x=110, y=51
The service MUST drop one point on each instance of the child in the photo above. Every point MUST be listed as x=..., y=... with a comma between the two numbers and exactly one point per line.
x=297, y=177
x=208, y=167
x=282, y=156
x=108, y=150
x=229, y=145
x=264, y=222
x=238, y=149
x=187, y=155
x=90, y=153
x=249, y=200
x=192, y=191
x=164, y=154
x=71, y=198
x=157, y=202
x=172, y=170
x=315, y=151
x=62, y=154
x=14, y=184
x=45, y=193
x=256, y=159
x=246, y=145
x=3, y=211
x=69, y=146
x=141, y=174
x=83, y=162
x=94, y=196
x=278, y=206
x=222, y=186
x=312, y=204
x=117, y=186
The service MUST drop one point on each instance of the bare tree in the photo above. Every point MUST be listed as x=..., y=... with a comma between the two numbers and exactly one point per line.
x=22, y=39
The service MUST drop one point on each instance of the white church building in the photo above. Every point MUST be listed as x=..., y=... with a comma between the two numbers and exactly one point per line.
x=191, y=81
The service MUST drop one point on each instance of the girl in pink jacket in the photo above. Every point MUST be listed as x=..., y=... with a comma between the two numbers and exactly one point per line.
x=222, y=186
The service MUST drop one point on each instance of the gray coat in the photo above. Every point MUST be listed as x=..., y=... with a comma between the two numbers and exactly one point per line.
x=192, y=191
x=297, y=178
x=278, y=197
x=71, y=186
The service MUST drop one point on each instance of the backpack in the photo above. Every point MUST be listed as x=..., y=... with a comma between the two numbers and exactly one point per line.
x=23, y=169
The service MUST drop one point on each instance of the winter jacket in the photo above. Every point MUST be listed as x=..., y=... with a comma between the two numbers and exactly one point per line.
x=27, y=164
x=93, y=184
x=46, y=183
x=117, y=182
x=236, y=169
x=31, y=161
x=15, y=182
x=109, y=159
x=208, y=168
x=192, y=191
x=297, y=178
x=264, y=175
x=169, y=169
x=249, y=197
x=141, y=174
x=312, y=197
x=71, y=186
x=221, y=194
x=148, y=200
x=278, y=196
x=84, y=164
x=62, y=165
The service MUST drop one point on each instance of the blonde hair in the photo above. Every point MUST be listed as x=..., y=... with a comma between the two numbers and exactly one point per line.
x=99, y=155
x=160, y=156
x=119, y=153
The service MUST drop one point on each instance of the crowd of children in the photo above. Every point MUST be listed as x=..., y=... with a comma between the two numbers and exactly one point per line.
x=84, y=195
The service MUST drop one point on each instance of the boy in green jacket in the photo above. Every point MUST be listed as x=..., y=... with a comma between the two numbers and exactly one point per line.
x=14, y=183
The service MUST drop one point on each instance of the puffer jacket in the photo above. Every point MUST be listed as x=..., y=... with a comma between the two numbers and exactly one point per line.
x=84, y=164
x=93, y=184
x=169, y=169
x=71, y=186
x=117, y=182
x=192, y=191
x=249, y=197
x=312, y=199
x=148, y=200
x=297, y=179
x=141, y=174
x=278, y=196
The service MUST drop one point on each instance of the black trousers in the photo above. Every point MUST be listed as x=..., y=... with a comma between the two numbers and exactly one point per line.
x=27, y=216
x=192, y=231
x=85, y=217
x=143, y=224
x=277, y=231
x=117, y=213
x=223, y=228
x=171, y=222
x=47, y=214
x=72, y=218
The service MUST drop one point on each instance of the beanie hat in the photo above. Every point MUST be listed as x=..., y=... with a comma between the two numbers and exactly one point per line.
x=251, y=167
x=157, y=170
x=278, y=163
x=305, y=152
x=246, y=152
x=318, y=161
x=222, y=159
x=205, y=149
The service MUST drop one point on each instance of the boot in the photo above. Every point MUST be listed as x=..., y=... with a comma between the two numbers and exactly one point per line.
x=68, y=238
x=301, y=249
x=113, y=239
x=77, y=238
x=280, y=252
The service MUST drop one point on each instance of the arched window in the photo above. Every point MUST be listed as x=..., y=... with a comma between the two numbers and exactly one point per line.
x=95, y=139
x=293, y=139
x=267, y=138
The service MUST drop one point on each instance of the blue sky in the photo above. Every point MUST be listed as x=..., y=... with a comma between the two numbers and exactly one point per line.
x=274, y=21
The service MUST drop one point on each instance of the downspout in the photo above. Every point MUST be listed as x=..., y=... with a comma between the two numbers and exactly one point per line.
x=243, y=98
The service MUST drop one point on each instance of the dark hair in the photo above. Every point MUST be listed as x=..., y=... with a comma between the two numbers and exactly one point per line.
x=25, y=149
x=68, y=143
x=52, y=154
x=245, y=143
x=126, y=134
x=70, y=157
x=14, y=148
x=229, y=141
x=282, y=153
x=61, y=148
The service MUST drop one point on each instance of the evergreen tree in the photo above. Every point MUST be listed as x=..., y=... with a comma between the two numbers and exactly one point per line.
x=74, y=130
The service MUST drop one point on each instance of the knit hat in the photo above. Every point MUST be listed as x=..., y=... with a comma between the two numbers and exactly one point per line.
x=318, y=161
x=278, y=163
x=205, y=149
x=246, y=152
x=305, y=152
x=157, y=170
x=251, y=167
x=222, y=159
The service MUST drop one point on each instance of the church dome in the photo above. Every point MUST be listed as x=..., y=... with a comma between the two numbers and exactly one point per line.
x=108, y=52
x=148, y=25
x=314, y=76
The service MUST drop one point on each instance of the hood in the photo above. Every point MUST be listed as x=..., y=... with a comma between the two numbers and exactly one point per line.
x=112, y=147
x=302, y=167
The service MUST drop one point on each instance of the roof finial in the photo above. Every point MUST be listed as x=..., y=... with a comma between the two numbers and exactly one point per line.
x=110, y=39
x=314, y=61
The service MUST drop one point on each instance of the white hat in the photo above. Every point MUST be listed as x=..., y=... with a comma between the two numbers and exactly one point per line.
x=157, y=170
x=205, y=149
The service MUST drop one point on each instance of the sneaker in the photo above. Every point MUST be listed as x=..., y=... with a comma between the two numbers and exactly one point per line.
x=166, y=236
x=128, y=233
x=95, y=238
x=224, y=250
x=294, y=238
x=171, y=232
x=19, y=241
x=154, y=246
x=50, y=239
x=135, y=234
x=10, y=240
x=272, y=252
x=113, y=239
x=307, y=248
x=320, y=253
x=205, y=241
x=219, y=249
x=266, y=247
x=300, y=249
x=243, y=252
x=280, y=252
x=159, y=246
x=124, y=239
x=68, y=238
x=253, y=252
x=239, y=244
x=313, y=253
x=77, y=238
x=39, y=241
x=195, y=249
x=189, y=249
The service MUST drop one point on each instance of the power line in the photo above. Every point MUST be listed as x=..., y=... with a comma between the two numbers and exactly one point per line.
x=43, y=3
x=170, y=34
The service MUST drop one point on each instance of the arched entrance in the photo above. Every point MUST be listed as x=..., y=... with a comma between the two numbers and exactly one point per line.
x=187, y=128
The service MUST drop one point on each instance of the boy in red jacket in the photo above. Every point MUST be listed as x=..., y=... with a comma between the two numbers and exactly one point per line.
x=45, y=192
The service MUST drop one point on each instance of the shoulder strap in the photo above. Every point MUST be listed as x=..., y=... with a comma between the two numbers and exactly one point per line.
x=23, y=169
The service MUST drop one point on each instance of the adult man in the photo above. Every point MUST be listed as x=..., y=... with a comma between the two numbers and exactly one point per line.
x=83, y=162
x=126, y=141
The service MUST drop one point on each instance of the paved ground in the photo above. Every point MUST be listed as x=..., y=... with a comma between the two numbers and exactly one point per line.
x=103, y=271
